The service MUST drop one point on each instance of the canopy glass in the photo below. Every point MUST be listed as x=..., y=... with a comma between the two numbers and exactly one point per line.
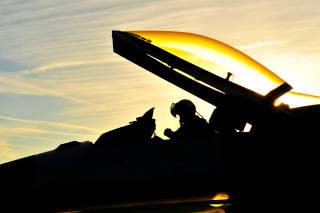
x=221, y=59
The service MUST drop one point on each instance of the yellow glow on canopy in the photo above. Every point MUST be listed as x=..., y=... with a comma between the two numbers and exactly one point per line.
x=215, y=56
x=220, y=58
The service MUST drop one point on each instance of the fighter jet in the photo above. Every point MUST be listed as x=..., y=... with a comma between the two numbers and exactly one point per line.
x=281, y=144
x=128, y=166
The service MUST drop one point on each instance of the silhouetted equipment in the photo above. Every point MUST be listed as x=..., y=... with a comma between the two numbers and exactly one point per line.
x=140, y=131
x=229, y=74
x=125, y=166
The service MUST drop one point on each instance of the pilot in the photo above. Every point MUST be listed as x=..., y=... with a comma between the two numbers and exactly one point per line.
x=193, y=127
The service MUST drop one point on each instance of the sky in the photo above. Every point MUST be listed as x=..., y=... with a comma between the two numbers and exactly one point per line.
x=61, y=81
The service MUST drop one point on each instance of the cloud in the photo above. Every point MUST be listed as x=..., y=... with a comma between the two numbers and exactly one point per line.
x=64, y=65
x=22, y=140
x=24, y=136
x=31, y=86
x=38, y=131
x=260, y=44
x=6, y=152
x=50, y=124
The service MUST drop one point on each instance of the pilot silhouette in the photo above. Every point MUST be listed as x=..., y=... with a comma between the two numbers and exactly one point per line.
x=193, y=127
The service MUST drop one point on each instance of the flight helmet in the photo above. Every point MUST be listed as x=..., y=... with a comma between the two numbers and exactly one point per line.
x=184, y=107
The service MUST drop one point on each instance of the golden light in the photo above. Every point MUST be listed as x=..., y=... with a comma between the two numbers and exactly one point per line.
x=220, y=196
x=295, y=99
x=220, y=58
x=215, y=56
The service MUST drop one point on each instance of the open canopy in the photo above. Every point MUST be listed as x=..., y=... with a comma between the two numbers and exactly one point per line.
x=208, y=61
x=216, y=57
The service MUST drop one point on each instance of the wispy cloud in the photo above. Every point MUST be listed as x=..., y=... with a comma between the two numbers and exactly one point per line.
x=261, y=44
x=6, y=152
x=38, y=131
x=30, y=86
x=26, y=137
x=50, y=124
x=65, y=65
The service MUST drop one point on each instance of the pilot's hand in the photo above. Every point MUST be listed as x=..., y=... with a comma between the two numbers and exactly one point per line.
x=168, y=132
